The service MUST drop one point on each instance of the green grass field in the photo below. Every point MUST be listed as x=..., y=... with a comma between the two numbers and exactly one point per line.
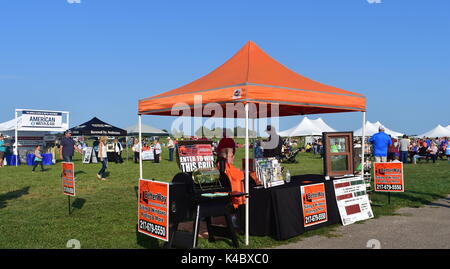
x=34, y=212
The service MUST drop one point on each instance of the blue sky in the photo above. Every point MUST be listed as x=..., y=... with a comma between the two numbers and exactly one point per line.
x=98, y=57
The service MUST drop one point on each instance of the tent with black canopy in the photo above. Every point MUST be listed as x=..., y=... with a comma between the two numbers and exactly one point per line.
x=97, y=127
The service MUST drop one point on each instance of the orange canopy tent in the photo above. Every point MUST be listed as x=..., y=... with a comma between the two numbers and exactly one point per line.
x=259, y=79
x=253, y=77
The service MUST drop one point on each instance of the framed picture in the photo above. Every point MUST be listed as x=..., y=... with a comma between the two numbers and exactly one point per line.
x=338, y=148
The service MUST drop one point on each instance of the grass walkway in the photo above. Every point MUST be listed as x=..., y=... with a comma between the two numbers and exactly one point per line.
x=34, y=212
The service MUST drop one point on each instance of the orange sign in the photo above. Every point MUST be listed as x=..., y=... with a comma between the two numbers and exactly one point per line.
x=153, y=209
x=314, y=204
x=68, y=178
x=389, y=177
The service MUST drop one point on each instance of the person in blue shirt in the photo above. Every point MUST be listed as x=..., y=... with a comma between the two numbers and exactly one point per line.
x=381, y=141
x=2, y=150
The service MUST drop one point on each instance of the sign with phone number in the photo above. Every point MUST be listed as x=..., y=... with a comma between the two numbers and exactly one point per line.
x=153, y=209
x=314, y=204
x=388, y=177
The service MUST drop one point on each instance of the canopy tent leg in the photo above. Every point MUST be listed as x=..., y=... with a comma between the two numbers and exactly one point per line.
x=363, y=143
x=140, y=147
x=247, y=189
x=16, y=141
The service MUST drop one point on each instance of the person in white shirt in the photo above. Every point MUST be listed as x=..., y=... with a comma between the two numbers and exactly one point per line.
x=118, y=148
x=136, y=149
x=156, y=150
x=171, y=147
x=103, y=156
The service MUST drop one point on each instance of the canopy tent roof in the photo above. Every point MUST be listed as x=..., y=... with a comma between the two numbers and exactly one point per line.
x=308, y=127
x=372, y=128
x=252, y=76
x=96, y=127
x=438, y=131
x=10, y=127
x=146, y=130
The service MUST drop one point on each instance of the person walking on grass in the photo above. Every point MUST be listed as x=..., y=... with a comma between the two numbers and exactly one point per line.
x=381, y=141
x=137, y=150
x=68, y=147
x=103, y=156
x=38, y=159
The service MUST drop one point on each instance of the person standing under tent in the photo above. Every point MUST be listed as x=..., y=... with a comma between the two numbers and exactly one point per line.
x=226, y=148
x=38, y=159
x=95, y=147
x=381, y=141
x=136, y=149
x=156, y=150
x=103, y=155
x=171, y=147
x=68, y=147
x=272, y=147
x=118, y=148
x=2, y=150
x=404, y=146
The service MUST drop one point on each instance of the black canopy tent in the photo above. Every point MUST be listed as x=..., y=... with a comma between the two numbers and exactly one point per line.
x=97, y=127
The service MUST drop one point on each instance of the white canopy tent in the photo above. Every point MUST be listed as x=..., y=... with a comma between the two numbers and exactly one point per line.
x=438, y=131
x=21, y=124
x=146, y=130
x=308, y=127
x=372, y=128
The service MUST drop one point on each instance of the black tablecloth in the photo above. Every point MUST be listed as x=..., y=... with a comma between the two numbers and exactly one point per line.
x=278, y=212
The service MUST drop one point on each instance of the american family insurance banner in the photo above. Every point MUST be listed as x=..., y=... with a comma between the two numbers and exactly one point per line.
x=41, y=119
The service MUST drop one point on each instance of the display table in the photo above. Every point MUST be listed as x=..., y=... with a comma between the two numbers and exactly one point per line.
x=12, y=160
x=277, y=211
x=47, y=159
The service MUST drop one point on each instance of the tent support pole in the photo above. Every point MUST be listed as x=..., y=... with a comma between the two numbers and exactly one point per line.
x=247, y=189
x=16, y=141
x=363, y=130
x=140, y=147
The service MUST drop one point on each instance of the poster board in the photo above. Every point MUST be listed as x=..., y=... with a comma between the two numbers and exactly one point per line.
x=68, y=178
x=153, y=209
x=352, y=200
x=148, y=155
x=388, y=177
x=192, y=155
x=314, y=204
x=87, y=155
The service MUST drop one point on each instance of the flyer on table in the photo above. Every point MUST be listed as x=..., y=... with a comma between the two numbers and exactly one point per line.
x=352, y=200
x=68, y=178
x=389, y=177
x=153, y=209
x=314, y=204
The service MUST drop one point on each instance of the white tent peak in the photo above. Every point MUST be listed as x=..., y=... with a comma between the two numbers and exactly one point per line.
x=308, y=127
x=372, y=128
x=146, y=129
x=438, y=131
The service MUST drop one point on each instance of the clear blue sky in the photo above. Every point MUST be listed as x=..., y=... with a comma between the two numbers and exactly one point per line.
x=97, y=58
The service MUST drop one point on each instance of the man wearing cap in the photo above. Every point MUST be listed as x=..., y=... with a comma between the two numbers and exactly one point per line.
x=272, y=147
x=67, y=147
x=381, y=141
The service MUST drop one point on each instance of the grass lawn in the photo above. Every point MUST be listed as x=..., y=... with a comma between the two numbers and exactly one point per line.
x=34, y=212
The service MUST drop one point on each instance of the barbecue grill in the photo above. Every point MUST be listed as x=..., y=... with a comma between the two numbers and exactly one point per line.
x=198, y=196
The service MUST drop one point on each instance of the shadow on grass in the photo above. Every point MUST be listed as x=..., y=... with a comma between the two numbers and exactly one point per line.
x=136, y=190
x=146, y=241
x=78, y=203
x=12, y=195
